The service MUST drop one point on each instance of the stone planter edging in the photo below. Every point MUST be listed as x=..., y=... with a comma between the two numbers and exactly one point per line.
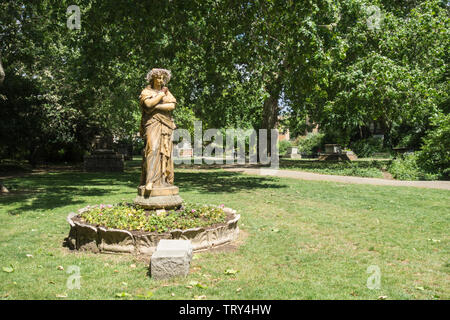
x=86, y=237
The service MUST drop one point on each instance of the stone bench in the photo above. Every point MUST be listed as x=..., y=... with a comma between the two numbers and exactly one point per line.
x=172, y=258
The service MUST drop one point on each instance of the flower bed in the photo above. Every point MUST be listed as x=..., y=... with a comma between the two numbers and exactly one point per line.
x=130, y=217
x=125, y=228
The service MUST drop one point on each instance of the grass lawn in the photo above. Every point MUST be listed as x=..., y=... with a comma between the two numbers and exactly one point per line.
x=299, y=240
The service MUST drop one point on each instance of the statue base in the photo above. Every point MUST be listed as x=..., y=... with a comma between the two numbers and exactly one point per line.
x=158, y=198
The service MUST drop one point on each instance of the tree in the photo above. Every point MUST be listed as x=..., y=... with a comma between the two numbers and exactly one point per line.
x=393, y=74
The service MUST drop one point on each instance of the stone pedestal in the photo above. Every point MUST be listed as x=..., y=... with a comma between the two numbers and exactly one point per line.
x=172, y=258
x=158, y=198
x=104, y=160
x=292, y=153
x=334, y=152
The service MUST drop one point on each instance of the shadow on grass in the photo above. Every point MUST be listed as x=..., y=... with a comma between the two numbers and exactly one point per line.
x=222, y=182
x=57, y=189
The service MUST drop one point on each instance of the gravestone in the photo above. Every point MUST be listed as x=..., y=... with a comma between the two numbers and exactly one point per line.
x=126, y=150
x=332, y=149
x=292, y=153
x=334, y=152
x=103, y=158
x=172, y=258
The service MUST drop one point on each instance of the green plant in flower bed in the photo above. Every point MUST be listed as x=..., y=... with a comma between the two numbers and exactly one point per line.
x=129, y=217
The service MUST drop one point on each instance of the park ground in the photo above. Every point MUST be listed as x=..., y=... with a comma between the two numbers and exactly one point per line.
x=299, y=239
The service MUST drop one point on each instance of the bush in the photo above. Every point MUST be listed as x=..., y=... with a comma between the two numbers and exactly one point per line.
x=434, y=156
x=407, y=168
x=282, y=146
x=311, y=143
x=366, y=148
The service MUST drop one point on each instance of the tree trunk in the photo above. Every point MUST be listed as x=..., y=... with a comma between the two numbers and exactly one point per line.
x=270, y=115
x=2, y=72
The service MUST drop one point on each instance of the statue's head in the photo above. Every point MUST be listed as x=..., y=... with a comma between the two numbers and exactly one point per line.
x=162, y=75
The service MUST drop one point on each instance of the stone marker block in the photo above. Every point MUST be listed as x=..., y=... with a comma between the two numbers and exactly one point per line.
x=172, y=258
x=176, y=245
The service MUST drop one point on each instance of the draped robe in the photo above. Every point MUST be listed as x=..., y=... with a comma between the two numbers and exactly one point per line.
x=156, y=128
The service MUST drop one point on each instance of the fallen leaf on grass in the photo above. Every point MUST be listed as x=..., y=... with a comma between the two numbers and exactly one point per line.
x=420, y=288
x=8, y=269
x=123, y=295
x=149, y=294
x=201, y=286
x=133, y=266
x=231, y=271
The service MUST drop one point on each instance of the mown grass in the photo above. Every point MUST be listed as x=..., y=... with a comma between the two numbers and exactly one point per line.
x=299, y=240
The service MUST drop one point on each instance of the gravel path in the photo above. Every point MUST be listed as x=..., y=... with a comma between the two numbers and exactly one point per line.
x=302, y=175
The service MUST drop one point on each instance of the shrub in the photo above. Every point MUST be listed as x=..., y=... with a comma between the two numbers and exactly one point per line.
x=367, y=147
x=311, y=143
x=283, y=145
x=406, y=168
x=434, y=156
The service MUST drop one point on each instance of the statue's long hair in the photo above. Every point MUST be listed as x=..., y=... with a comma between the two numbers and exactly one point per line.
x=156, y=72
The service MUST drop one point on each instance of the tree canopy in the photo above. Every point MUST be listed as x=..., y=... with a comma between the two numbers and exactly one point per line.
x=346, y=65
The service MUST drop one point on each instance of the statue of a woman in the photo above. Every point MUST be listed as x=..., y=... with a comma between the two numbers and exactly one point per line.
x=156, y=103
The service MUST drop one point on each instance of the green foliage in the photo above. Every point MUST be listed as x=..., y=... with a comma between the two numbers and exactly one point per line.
x=311, y=143
x=434, y=157
x=232, y=61
x=365, y=148
x=129, y=217
x=283, y=145
x=394, y=75
x=407, y=168
x=369, y=169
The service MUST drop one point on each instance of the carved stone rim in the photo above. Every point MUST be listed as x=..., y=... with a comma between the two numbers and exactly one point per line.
x=86, y=237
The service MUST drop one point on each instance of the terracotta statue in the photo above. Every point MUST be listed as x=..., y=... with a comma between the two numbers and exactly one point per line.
x=156, y=103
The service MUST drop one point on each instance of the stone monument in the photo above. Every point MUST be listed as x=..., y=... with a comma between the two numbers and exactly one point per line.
x=334, y=152
x=157, y=189
x=103, y=158
x=292, y=153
